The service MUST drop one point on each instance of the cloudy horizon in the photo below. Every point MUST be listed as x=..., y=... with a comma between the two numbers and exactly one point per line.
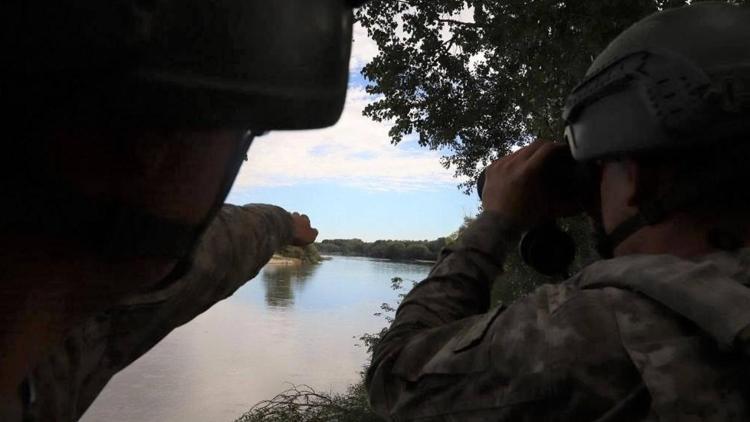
x=389, y=191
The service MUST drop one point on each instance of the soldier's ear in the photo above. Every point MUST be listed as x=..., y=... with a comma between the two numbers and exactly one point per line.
x=635, y=183
x=621, y=182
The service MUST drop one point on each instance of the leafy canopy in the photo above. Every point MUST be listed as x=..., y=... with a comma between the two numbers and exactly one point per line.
x=473, y=78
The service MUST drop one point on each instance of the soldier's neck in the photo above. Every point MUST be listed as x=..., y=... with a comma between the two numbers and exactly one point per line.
x=680, y=235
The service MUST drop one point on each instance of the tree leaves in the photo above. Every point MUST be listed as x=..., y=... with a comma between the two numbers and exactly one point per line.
x=474, y=78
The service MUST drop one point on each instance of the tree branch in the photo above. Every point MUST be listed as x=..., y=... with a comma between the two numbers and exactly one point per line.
x=469, y=24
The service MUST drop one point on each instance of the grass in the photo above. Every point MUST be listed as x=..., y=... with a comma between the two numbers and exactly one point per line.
x=301, y=403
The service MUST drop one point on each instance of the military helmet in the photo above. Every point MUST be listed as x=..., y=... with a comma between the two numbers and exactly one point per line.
x=113, y=108
x=676, y=79
x=242, y=64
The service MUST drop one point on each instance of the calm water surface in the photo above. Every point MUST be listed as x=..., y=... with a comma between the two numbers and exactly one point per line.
x=289, y=325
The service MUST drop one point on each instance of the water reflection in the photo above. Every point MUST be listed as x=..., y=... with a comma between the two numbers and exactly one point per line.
x=281, y=282
x=288, y=325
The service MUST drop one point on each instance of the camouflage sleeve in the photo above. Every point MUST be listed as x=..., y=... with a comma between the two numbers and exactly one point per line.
x=552, y=355
x=235, y=246
x=458, y=287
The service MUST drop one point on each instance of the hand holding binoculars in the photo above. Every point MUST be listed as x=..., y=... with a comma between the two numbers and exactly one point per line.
x=563, y=184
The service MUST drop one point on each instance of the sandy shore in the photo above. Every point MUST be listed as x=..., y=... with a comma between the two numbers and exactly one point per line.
x=282, y=260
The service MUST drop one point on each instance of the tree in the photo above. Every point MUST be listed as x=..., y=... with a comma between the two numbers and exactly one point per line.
x=418, y=251
x=473, y=78
x=465, y=225
x=377, y=249
x=395, y=250
x=436, y=245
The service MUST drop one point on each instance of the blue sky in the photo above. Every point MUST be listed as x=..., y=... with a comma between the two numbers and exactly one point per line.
x=343, y=212
x=350, y=180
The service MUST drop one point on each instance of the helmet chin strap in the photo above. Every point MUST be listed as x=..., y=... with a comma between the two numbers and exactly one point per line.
x=648, y=215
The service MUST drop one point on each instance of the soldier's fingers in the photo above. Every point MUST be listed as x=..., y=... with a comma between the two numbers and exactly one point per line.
x=514, y=160
x=542, y=154
x=510, y=157
x=528, y=151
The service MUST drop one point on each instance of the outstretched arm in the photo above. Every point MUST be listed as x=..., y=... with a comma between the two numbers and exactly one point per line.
x=235, y=246
x=238, y=243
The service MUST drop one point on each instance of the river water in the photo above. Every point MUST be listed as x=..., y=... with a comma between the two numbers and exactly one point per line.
x=290, y=325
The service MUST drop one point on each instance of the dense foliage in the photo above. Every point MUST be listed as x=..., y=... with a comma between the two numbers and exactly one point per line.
x=309, y=254
x=474, y=78
x=426, y=250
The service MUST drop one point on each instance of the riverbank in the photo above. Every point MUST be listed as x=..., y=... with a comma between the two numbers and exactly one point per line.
x=284, y=260
x=277, y=259
x=400, y=261
x=295, y=255
x=396, y=250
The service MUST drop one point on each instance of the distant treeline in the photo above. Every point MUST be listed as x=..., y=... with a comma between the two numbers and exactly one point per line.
x=388, y=249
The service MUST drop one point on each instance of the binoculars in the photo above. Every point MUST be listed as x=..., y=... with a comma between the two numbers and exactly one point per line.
x=547, y=248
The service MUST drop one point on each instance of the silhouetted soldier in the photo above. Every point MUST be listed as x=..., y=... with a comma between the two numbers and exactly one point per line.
x=125, y=124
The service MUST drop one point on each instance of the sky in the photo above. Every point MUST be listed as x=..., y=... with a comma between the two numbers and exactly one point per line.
x=350, y=180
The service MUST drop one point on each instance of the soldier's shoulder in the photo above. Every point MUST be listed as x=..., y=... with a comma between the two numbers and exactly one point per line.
x=552, y=331
x=565, y=314
x=572, y=312
x=556, y=299
x=600, y=303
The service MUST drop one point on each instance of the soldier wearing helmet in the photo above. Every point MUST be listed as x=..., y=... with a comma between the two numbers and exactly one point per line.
x=125, y=125
x=660, y=329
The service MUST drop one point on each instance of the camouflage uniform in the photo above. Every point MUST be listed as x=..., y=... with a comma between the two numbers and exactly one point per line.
x=641, y=337
x=233, y=249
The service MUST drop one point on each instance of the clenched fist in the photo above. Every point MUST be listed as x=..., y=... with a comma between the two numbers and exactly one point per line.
x=304, y=234
x=522, y=185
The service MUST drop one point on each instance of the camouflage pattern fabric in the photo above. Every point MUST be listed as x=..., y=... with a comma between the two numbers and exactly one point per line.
x=635, y=338
x=233, y=249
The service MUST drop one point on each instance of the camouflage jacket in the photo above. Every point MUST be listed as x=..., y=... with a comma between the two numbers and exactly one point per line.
x=233, y=249
x=642, y=337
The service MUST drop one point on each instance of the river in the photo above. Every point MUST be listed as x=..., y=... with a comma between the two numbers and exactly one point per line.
x=289, y=325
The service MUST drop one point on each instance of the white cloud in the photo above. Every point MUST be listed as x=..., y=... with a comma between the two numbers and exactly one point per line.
x=465, y=15
x=363, y=48
x=355, y=152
